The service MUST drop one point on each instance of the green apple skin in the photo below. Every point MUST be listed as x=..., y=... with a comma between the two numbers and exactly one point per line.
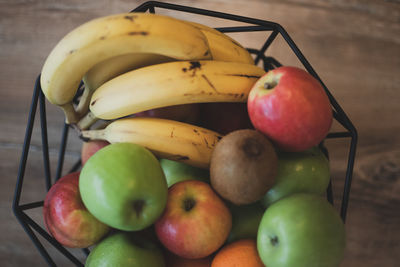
x=245, y=221
x=299, y=172
x=177, y=171
x=302, y=230
x=126, y=250
x=123, y=186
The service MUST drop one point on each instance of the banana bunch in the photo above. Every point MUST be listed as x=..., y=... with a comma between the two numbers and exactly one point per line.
x=133, y=62
x=107, y=37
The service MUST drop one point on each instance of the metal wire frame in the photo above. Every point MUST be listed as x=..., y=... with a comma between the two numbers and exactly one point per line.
x=274, y=29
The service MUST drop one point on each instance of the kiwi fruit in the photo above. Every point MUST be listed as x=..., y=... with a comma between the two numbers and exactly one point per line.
x=243, y=166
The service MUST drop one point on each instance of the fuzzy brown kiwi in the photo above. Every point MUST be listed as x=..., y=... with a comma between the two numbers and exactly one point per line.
x=243, y=166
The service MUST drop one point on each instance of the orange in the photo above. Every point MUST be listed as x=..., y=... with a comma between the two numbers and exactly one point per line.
x=242, y=253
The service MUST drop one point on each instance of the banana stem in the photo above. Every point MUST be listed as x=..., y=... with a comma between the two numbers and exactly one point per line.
x=93, y=135
x=88, y=120
x=83, y=106
x=101, y=125
x=71, y=116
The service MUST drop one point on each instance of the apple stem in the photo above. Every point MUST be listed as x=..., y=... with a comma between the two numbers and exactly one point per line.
x=274, y=241
x=138, y=207
x=188, y=204
x=269, y=85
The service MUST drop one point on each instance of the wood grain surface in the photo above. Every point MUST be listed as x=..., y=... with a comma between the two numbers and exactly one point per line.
x=353, y=45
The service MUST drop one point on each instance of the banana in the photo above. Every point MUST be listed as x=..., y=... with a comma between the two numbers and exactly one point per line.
x=111, y=68
x=174, y=83
x=223, y=47
x=110, y=36
x=165, y=138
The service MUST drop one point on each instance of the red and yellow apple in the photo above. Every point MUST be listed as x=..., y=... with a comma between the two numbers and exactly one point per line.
x=196, y=221
x=90, y=147
x=67, y=219
x=291, y=108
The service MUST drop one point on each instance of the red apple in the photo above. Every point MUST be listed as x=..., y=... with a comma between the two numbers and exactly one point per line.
x=290, y=107
x=66, y=217
x=196, y=221
x=224, y=117
x=91, y=147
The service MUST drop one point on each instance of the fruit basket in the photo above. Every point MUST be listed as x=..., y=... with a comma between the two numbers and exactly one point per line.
x=272, y=31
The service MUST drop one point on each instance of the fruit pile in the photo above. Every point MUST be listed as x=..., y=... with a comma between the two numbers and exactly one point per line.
x=193, y=155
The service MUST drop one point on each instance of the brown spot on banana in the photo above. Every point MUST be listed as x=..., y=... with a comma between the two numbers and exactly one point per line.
x=195, y=144
x=233, y=94
x=244, y=75
x=144, y=33
x=214, y=143
x=209, y=83
x=130, y=17
x=190, y=94
x=194, y=65
x=206, y=142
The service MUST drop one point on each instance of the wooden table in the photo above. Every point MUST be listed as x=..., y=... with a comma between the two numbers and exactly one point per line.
x=353, y=45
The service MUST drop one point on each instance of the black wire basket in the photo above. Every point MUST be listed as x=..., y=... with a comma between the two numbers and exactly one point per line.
x=272, y=30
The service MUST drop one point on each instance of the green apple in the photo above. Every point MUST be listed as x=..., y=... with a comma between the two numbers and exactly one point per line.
x=301, y=230
x=125, y=249
x=123, y=186
x=177, y=171
x=245, y=221
x=298, y=172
